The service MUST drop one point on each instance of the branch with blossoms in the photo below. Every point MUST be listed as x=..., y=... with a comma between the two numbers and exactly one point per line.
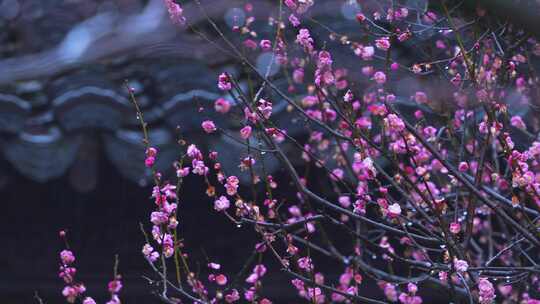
x=74, y=291
x=437, y=190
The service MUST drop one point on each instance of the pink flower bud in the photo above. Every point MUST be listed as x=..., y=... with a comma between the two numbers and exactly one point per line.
x=221, y=279
x=266, y=44
x=88, y=300
x=394, y=210
x=67, y=257
x=224, y=82
x=151, y=152
x=222, y=105
x=149, y=161
x=245, y=132
x=250, y=44
x=380, y=77
x=383, y=43
x=214, y=266
x=208, y=126
x=455, y=227
x=463, y=166
x=461, y=265
x=221, y=204
x=412, y=288
x=360, y=17
x=517, y=122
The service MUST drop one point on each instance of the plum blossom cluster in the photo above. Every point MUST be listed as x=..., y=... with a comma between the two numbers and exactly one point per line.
x=417, y=172
x=254, y=280
x=74, y=291
x=486, y=292
x=428, y=169
x=419, y=190
x=176, y=13
x=163, y=219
